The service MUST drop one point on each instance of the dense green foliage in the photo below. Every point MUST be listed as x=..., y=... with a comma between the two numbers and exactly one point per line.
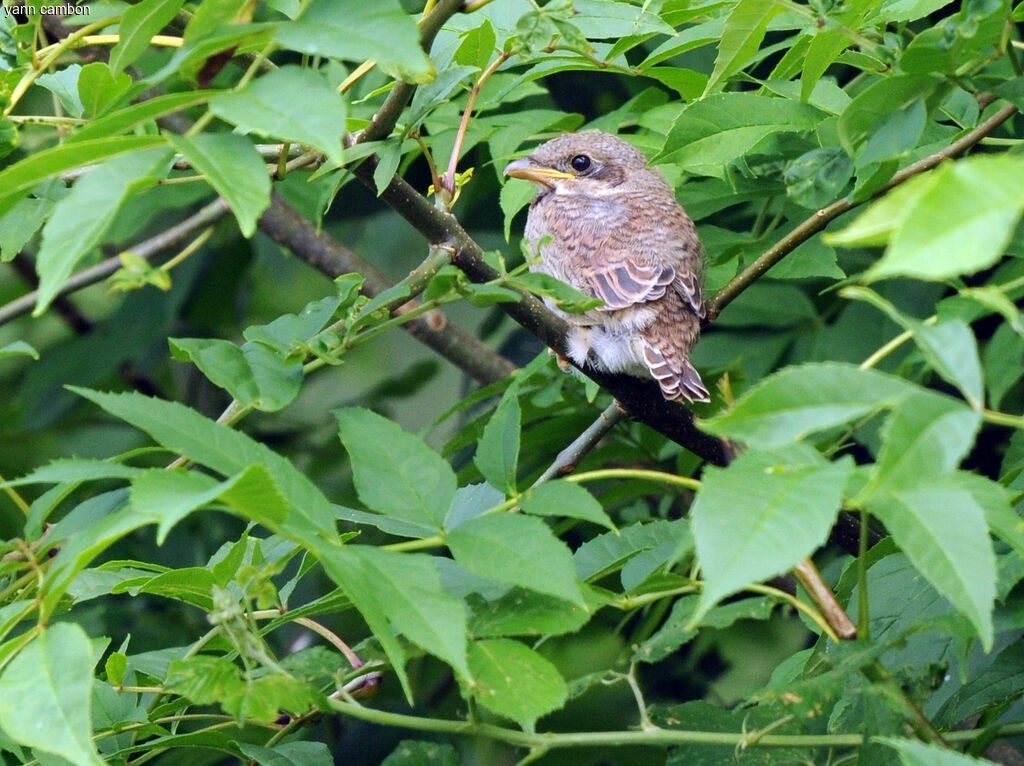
x=351, y=559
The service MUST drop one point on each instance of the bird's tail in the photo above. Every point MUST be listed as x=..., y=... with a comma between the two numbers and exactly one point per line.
x=679, y=381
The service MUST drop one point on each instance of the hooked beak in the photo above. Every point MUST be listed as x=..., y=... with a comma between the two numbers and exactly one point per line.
x=525, y=168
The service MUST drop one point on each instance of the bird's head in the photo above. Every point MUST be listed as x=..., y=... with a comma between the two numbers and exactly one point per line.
x=580, y=163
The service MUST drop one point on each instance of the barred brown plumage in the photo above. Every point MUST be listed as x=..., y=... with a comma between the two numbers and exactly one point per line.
x=611, y=227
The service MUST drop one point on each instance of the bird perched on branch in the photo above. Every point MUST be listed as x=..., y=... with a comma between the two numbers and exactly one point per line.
x=610, y=226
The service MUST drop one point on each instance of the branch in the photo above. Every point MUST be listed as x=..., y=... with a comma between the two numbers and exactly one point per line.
x=823, y=217
x=384, y=121
x=172, y=236
x=282, y=223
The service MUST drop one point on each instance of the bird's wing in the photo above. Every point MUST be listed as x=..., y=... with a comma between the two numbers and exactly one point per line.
x=627, y=283
x=688, y=287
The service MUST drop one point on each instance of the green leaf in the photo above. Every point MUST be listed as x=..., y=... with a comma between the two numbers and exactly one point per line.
x=234, y=169
x=138, y=114
x=290, y=103
x=876, y=225
x=948, y=346
x=915, y=753
x=744, y=30
x=64, y=85
x=518, y=550
x=98, y=88
x=713, y=132
x=354, y=30
x=497, y=454
x=824, y=48
x=46, y=695
x=564, y=498
x=477, y=46
x=513, y=680
x=925, y=438
x=170, y=496
x=22, y=177
x=943, y=531
x=521, y=612
x=599, y=20
x=802, y=399
x=80, y=219
x=410, y=752
x=138, y=24
x=204, y=679
x=816, y=178
x=18, y=348
x=253, y=374
x=959, y=223
x=402, y=591
x=394, y=472
x=289, y=754
x=21, y=223
x=878, y=101
x=1000, y=681
x=761, y=515
x=514, y=196
x=228, y=452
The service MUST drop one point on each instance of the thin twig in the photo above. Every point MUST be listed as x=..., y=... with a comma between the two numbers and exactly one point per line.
x=823, y=217
x=823, y=596
x=448, y=179
x=570, y=457
x=169, y=238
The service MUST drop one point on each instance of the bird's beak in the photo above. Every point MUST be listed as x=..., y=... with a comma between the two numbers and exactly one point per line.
x=527, y=169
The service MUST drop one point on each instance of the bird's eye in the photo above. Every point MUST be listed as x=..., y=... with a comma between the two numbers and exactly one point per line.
x=580, y=163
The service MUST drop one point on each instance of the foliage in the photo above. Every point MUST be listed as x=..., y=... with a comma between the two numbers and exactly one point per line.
x=362, y=553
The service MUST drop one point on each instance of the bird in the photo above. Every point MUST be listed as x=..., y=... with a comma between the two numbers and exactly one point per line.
x=610, y=226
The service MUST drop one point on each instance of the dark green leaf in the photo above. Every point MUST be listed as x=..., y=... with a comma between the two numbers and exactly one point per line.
x=497, y=455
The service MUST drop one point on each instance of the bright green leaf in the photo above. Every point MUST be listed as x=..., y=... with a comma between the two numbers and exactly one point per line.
x=255, y=375
x=290, y=103
x=915, y=753
x=46, y=695
x=235, y=170
x=761, y=515
x=402, y=591
x=354, y=30
x=80, y=219
x=712, y=132
x=802, y=399
x=744, y=30
x=19, y=179
x=139, y=23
